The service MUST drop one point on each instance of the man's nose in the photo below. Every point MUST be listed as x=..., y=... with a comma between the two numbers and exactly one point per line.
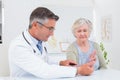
x=52, y=33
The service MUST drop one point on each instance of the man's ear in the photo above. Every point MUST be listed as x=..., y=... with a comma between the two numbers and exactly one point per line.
x=35, y=24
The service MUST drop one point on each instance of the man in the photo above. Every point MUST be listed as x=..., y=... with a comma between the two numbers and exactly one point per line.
x=27, y=53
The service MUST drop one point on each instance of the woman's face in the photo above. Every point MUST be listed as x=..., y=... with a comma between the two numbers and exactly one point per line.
x=82, y=33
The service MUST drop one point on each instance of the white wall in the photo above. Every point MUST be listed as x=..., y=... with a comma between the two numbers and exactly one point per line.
x=110, y=8
x=16, y=18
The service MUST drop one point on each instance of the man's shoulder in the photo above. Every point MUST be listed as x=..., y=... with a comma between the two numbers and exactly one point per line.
x=17, y=40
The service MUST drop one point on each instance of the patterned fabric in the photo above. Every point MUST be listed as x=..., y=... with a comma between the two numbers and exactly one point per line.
x=39, y=46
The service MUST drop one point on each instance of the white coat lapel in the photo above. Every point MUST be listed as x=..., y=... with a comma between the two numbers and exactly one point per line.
x=31, y=42
x=33, y=45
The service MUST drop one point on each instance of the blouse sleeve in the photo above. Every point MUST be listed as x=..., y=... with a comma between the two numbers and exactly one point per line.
x=101, y=59
x=72, y=53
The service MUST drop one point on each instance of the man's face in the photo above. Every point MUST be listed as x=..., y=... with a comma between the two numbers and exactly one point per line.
x=44, y=31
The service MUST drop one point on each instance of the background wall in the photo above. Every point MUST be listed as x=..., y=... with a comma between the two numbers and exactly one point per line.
x=0, y=21
x=109, y=8
x=16, y=18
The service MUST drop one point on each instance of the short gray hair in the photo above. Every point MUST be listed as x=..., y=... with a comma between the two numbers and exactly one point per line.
x=79, y=22
x=41, y=14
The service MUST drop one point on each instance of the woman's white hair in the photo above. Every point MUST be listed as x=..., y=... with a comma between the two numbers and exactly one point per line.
x=81, y=21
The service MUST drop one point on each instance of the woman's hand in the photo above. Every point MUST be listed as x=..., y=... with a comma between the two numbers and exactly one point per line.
x=92, y=59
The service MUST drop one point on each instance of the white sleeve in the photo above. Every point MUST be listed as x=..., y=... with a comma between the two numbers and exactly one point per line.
x=55, y=58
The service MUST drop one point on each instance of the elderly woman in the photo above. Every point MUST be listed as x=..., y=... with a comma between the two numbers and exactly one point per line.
x=82, y=49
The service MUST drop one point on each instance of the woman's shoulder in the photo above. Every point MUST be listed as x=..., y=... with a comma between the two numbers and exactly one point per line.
x=97, y=46
x=72, y=45
x=94, y=43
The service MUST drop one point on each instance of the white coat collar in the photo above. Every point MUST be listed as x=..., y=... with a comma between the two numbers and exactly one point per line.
x=27, y=36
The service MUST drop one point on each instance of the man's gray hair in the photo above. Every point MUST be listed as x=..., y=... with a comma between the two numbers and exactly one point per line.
x=41, y=14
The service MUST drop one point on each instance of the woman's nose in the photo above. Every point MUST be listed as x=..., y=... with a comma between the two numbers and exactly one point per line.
x=82, y=33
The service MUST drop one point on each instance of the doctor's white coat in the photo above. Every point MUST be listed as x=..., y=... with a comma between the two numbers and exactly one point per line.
x=24, y=61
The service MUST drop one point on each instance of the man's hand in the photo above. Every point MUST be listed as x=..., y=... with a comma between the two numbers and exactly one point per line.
x=85, y=69
x=68, y=63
